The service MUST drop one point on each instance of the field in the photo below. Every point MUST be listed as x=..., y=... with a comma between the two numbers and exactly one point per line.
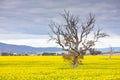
x=55, y=68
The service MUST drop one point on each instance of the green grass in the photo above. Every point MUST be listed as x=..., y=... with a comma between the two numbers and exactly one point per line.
x=55, y=68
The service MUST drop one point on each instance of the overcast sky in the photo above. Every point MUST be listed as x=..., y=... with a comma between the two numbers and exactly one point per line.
x=25, y=22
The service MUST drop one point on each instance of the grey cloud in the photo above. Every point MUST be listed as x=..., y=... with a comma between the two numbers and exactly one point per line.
x=22, y=36
x=33, y=16
x=9, y=4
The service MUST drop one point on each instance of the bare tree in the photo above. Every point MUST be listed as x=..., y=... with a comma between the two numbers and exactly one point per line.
x=110, y=52
x=75, y=37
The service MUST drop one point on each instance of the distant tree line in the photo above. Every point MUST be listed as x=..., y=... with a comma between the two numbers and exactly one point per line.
x=50, y=54
x=12, y=54
x=92, y=52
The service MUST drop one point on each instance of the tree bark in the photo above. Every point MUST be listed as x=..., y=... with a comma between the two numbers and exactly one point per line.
x=110, y=55
x=75, y=65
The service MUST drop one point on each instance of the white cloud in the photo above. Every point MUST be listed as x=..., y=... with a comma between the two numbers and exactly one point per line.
x=27, y=39
x=43, y=41
x=113, y=41
x=31, y=42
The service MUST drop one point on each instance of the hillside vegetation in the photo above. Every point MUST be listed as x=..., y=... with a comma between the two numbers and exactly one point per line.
x=55, y=68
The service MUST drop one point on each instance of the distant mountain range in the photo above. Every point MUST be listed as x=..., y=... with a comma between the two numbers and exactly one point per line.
x=114, y=49
x=27, y=49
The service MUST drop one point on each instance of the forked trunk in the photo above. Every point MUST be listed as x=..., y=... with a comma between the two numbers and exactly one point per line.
x=75, y=65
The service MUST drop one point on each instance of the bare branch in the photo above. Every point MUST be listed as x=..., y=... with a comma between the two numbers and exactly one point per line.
x=69, y=37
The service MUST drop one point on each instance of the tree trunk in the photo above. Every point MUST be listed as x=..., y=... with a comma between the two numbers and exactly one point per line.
x=75, y=65
x=110, y=55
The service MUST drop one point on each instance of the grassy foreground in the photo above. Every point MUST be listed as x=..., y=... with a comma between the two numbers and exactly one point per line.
x=55, y=68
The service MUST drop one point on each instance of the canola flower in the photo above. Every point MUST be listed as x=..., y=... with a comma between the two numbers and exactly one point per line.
x=55, y=68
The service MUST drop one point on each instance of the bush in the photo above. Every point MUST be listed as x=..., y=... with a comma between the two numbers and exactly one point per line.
x=95, y=52
x=48, y=54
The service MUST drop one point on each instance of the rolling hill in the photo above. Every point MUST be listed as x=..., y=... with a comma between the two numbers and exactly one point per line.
x=30, y=50
x=26, y=49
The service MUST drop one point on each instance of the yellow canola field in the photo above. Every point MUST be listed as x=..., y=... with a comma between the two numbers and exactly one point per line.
x=55, y=68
